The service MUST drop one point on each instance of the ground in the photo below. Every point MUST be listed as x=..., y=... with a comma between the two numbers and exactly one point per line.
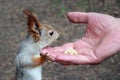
x=13, y=30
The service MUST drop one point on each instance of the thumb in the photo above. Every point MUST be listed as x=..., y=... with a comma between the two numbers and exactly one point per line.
x=78, y=17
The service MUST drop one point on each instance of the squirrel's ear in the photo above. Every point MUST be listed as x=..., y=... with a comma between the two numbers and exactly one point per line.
x=32, y=20
x=33, y=24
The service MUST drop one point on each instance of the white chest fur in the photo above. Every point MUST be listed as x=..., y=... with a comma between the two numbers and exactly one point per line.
x=26, y=50
x=33, y=73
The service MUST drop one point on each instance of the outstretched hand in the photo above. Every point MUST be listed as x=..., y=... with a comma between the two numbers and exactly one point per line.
x=101, y=40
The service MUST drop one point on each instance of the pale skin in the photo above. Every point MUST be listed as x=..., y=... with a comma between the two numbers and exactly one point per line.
x=101, y=40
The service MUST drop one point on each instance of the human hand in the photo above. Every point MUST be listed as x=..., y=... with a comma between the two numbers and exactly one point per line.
x=101, y=40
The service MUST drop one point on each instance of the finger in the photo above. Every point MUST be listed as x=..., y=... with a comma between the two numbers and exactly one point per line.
x=78, y=17
x=79, y=59
x=54, y=51
x=63, y=58
x=66, y=63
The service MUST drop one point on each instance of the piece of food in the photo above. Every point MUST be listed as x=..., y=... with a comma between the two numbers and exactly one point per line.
x=71, y=51
x=37, y=56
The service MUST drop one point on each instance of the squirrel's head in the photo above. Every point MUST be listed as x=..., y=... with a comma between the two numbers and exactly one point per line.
x=40, y=32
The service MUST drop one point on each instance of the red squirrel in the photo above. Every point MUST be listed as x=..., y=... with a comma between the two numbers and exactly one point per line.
x=28, y=60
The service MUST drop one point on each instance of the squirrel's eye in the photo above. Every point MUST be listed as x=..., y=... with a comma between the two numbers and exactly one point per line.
x=35, y=27
x=51, y=33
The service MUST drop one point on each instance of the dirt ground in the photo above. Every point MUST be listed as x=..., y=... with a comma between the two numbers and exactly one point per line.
x=13, y=30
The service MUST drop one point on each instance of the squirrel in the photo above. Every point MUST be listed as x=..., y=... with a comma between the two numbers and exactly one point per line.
x=28, y=60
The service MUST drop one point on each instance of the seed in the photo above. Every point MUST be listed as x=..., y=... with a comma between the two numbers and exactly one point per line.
x=71, y=51
x=36, y=56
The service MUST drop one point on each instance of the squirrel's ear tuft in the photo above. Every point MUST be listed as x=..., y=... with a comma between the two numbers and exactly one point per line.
x=32, y=19
x=32, y=22
x=27, y=12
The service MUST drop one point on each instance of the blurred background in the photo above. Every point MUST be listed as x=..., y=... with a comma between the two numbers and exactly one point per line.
x=13, y=30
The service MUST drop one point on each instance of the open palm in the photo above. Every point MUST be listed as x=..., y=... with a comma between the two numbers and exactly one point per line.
x=101, y=40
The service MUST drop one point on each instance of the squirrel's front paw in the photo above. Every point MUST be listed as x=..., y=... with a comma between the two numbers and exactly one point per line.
x=38, y=60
